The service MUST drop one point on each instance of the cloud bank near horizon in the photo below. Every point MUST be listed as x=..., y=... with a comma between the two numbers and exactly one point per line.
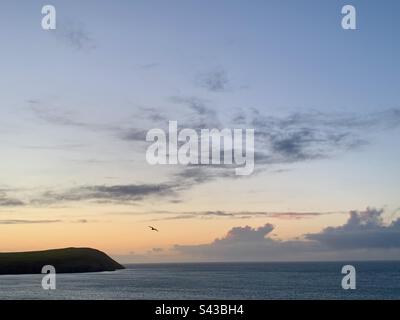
x=364, y=236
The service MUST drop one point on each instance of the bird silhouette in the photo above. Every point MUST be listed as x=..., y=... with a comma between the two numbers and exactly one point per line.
x=153, y=229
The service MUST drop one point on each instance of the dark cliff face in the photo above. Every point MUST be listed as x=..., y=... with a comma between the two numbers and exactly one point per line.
x=69, y=260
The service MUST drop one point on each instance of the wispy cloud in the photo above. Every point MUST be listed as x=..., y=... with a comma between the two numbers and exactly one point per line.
x=215, y=80
x=294, y=138
x=74, y=34
x=300, y=137
x=290, y=139
x=148, y=66
x=20, y=221
x=65, y=146
x=203, y=116
x=61, y=116
x=199, y=106
x=83, y=221
x=315, y=135
x=56, y=116
x=122, y=194
x=169, y=215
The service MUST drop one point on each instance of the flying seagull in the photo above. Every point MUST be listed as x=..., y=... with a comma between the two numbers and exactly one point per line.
x=153, y=229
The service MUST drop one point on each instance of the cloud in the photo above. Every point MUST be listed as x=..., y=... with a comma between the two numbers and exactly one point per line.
x=33, y=101
x=152, y=114
x=179, y=217
x=313, y=135
x=55, y=147
x=246, y=234
x=6, y=201
x=296, y=138
x=169, y=215
x=293, y=138
x=56, y=116
x=16, y=221
x=364, y=229
x=11, y=202
x=134, y=134
x=194, y=103
x=66, y=118
x=74, y=34
x=203, y=116
x=62, y=117
x=148, y=118
x=192, y=175
x=104, y=194
x=147, y=66
x=215, y=80
x=363, y=236
x=243, y=244
x=84, y=221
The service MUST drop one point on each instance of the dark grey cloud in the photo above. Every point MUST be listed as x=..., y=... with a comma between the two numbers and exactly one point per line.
x=385, y=119
x=246, y=234
x=11, y=202
x=134, y=134
x=364, y=229
x=105, y=194
x=363, y=236
x=244, y=244
x=314, y=135
x=290, y=139
x=6, y=201
x=192, y=175
x=239, y=119
x=215, y=80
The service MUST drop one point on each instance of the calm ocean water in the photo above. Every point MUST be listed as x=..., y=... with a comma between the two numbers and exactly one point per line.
x=375, y=280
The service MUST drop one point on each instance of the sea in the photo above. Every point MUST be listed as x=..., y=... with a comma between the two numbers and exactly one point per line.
x=208, y=281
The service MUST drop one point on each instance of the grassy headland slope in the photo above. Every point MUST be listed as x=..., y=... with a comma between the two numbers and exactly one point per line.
x=68, y=260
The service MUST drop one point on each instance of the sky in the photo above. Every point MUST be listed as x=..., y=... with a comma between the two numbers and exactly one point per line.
x=76, y=104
